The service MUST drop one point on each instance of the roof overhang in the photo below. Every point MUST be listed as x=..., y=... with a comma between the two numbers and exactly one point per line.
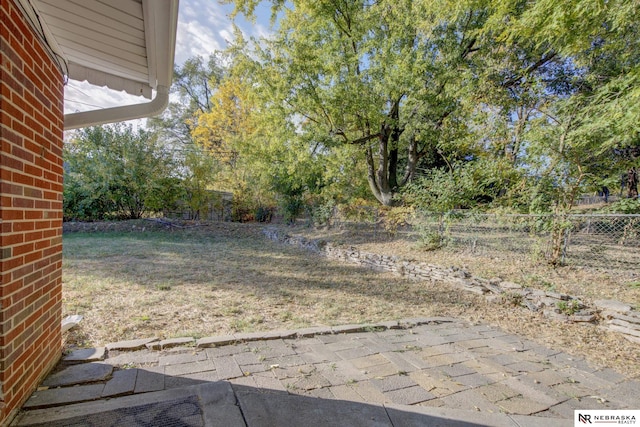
x=125, y=45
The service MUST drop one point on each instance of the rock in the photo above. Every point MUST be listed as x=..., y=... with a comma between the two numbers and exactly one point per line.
x=130, y=345
x=584, y=316
x=612, y=305
x=169, y=343
x=494, y=299
x=631, y=317
x=215, y=341
x=558, y=296
x=625, y=330
x=510, y=285
x=531, y=306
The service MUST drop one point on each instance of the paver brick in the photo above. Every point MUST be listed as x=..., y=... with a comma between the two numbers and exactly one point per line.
x=536, y=392
x=181, y=358
x=227, y=367
x=469, y=400
x=473, y=380
x=311, y=381
x=284, y=361
x=381, y=371
x=409, y=395
x=268, y=383
x=393, y=382
x=496, y=392
x=522, y=405
x=455, y=370
x=133, y=358
x=401, y=361
x=369, y=361
x=319, y=353
x=247, y=358
x=369, y=393
x=525, y=366
x=354, y=353
x=345, y=392
x=190, y=368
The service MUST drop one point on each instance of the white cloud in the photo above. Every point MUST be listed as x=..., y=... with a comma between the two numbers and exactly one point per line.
x=203, y=27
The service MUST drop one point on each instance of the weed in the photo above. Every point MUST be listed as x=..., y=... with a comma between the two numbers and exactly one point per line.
x=569, y=308
x=513, y=298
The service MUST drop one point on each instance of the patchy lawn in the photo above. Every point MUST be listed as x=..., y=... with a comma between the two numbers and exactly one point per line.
x=223, y=278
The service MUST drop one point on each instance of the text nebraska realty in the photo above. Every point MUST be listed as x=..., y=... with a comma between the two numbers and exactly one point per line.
x=609, y=419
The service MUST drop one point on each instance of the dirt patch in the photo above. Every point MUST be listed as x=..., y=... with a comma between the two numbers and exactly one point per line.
x=220, y=278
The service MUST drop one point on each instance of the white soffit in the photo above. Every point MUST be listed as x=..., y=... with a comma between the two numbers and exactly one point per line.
x=125, y=45
x=105, y=42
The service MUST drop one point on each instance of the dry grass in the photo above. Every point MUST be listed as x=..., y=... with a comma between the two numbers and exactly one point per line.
x=223, y=278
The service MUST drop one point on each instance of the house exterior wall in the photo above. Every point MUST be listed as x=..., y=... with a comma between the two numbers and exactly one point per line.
x=31, y=131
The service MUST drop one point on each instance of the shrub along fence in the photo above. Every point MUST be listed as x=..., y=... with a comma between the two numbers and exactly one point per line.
x=594, y=240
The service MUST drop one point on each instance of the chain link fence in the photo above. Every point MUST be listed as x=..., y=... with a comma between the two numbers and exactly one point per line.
x=590, y=240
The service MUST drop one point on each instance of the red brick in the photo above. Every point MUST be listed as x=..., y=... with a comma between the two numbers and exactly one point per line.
x=21, y=202
x=21, y=178
x=32, y=170
x=8, y=188
x=11, y=162
x=11, y=239
x=22, y=249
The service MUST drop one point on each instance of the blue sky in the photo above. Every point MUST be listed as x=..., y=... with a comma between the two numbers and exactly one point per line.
x=203, y=27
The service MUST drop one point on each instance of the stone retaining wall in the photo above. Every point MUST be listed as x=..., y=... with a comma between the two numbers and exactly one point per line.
x=612, y=315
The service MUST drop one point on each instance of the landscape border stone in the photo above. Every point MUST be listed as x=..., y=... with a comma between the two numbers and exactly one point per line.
x=612, y=315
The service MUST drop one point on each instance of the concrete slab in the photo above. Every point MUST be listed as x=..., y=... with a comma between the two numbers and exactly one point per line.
x=421, y=369
x=150, y=379
x=130, y=345
x=290, y=410
x=79, y=374
x=123, y=382
x=215, y=341
x=216, y=401
x=85, y=355
x=63, y=396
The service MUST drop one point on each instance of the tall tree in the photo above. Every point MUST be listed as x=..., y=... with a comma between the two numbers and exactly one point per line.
x=372, y=76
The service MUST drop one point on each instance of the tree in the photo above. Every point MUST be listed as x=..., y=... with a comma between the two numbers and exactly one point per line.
x=372, y=76
x=114, y=171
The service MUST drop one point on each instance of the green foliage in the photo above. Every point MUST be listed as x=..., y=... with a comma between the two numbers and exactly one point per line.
x=475, y=105
x=465, y=185
x=623, y=206
x=569, y=308
x=116, y=172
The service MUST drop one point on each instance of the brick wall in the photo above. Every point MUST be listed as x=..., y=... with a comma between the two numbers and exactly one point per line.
x=31, y=126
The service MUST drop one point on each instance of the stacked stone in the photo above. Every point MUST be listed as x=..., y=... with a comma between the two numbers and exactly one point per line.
x=617, y=316
x=620, y=317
